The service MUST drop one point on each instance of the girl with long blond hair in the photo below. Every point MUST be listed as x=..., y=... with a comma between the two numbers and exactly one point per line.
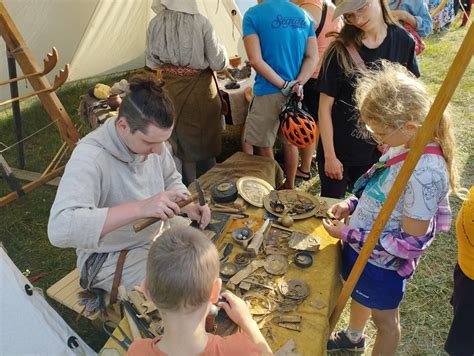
x=345, y=151
x=392, y=105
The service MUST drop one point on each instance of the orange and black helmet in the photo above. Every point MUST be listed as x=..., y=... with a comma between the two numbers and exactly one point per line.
x=297, y=125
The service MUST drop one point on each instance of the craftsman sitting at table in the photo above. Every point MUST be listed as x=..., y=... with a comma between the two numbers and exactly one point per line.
x=117, y=174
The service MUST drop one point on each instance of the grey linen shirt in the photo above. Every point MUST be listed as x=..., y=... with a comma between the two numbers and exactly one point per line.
x=183, y=40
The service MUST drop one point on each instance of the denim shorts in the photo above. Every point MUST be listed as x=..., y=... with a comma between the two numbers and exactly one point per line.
x=377, y=288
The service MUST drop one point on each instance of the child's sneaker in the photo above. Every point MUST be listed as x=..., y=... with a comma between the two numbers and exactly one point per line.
x=338, y=341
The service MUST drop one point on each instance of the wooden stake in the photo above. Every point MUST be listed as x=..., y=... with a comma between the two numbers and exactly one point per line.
x=425, y=134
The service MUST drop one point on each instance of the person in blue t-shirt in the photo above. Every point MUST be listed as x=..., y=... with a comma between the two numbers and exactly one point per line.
x=281, y=46
x=414, y=12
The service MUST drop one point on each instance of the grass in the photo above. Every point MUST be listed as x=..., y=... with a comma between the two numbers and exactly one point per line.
x=425, y=311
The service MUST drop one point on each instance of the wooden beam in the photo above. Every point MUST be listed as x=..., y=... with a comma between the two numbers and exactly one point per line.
x=30, y=186
x=18, y=48
x=425, y=134
x=32, y=176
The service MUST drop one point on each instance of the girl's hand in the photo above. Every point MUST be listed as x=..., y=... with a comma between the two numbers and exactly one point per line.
x=340, y=210
x=334, y=228
x=333, y=168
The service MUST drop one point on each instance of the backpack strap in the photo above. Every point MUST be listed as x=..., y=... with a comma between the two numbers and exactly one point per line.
x=324, y=12
x=356, y=58
x=434, y=150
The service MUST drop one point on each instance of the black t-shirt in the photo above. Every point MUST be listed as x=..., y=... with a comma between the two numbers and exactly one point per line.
x=353, y=146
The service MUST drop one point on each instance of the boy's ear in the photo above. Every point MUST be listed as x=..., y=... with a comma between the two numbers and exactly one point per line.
x=216, y=290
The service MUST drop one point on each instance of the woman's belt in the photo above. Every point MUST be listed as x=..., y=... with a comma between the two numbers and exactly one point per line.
x=180, y=71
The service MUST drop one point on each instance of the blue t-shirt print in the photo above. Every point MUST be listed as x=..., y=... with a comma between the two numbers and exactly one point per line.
x=284, y=21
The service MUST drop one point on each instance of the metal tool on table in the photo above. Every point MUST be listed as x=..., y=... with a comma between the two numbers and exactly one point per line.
x=139, y=226
x=140, y=323
x=202, y=199
x=227, y=251
x=109, y=327
x=131, y=322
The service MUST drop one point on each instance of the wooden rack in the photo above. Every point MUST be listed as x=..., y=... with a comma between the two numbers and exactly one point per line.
x=17, y=47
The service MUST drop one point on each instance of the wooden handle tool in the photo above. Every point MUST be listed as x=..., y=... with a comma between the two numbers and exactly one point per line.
x=139, y=226
x=257, y=240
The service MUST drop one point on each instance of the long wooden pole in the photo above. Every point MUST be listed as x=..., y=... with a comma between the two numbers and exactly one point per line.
x=424, y=136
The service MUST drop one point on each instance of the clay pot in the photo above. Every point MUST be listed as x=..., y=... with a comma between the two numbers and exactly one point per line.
x=114, y=101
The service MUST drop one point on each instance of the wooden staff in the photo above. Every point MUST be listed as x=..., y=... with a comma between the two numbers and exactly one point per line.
x=424, y=136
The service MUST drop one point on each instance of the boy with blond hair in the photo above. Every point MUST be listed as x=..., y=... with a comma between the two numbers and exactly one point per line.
x=183, y=281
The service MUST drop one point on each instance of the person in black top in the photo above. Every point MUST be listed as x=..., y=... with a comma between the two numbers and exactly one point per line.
x=345, y=150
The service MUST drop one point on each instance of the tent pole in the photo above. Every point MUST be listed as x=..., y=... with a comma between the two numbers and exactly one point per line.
x=450, y=83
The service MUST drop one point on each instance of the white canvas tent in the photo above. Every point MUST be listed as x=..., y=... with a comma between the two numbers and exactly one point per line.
x=98, y=37
x=28, y=324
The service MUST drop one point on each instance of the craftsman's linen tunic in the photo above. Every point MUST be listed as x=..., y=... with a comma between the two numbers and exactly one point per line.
x=183, y=40
x=188, y=40
x=100, y=174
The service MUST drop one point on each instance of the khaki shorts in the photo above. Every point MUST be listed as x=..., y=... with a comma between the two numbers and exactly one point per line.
x=262, y=124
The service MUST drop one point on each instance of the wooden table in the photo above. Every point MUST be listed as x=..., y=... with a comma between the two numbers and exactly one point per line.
x=322, y=276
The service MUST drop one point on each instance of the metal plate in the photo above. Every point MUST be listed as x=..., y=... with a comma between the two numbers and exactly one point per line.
x=228, y=269
x=294, y=288
x=303, y=260
x=276, y=264
x=303, y=197
x=253, y=190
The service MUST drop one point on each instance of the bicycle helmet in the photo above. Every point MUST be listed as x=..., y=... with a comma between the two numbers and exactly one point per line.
x=297, y=125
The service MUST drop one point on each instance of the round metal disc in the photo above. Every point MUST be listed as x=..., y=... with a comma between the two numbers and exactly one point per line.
x=303, y=260
x=228, y=269
x=223, y=187
x=242, y=259
x=276, y=264
x=294, y=288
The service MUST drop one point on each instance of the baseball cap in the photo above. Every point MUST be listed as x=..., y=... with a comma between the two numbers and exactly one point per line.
x=345, y=6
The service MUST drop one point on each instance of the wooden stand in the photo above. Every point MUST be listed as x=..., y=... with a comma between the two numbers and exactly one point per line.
x=33, y=73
